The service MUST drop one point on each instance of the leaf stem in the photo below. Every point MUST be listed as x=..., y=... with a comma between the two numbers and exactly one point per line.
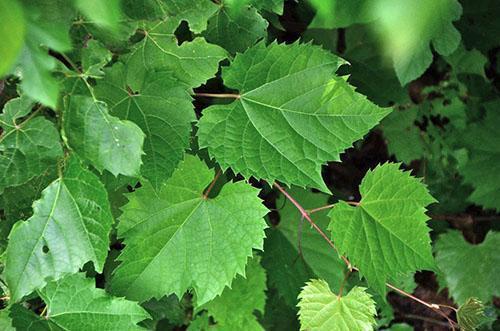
x=411, y=296
x=43, y=311
x=218, y=95
x=212, y=184
x=304, y=213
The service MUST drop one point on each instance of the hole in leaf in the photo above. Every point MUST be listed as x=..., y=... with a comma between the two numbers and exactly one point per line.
x=45, y=249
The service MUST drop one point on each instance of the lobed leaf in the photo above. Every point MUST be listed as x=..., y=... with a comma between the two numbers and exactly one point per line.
x=28, y=147
x=321, y=310
x=176, y=239
x=104, y=140
x=291, y=116
x=162, y=108
x=69, y=227
x=386, y=235
x=192, y=63
x=478, y=277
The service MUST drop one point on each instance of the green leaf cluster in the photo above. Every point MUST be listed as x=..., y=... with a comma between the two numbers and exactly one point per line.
x=247, y=164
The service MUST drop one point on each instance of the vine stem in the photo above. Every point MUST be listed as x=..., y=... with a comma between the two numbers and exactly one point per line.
x=218, y=95
x=212, y=184
x=305, y=214
x=42, y=314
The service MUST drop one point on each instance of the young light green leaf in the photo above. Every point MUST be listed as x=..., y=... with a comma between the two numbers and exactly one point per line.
x=386, y=235
x=479, y=276
x=236, y=28
x=470, y=315
x=162, y=108
x=104, y=140
x=29, y=147
x=74, y=303
x=69, y=227
x=192, y=63
x=294, y=252
x=480, y=171
x=291, y=116
x=176, y=239
x=234, y=308
x=321, y=310
x=12, y=33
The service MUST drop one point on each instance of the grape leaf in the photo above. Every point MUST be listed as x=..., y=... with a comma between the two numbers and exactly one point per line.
x=16, y=202
x=479, y=276
x=192, y=62
x=291, y=265
x=479, y=25
x=236, y=28
x=73, y=303
x=162, y=108
x=386, y=235
x=333, y=14
x=320, y=309
x=12, y=32
x=200, y=323
x=5, y=321
x=279, y=316
x=234, y=308
x=292, y=115
x=403, y=137
x=470, y=315
x=70, y=226
x=481, y=169
x=465, y=61
x=275, y=6
x=94, y=57
x=408, y=27
x=104, y=140
x=48, y=23
x=25, y=319
x=169, y=307
x=103, y=13
x=370, y=72
x=28, y=148
x=194, y=12
x=176, y=239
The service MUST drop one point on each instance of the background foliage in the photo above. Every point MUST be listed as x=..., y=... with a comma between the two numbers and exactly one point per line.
x=249, y=165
